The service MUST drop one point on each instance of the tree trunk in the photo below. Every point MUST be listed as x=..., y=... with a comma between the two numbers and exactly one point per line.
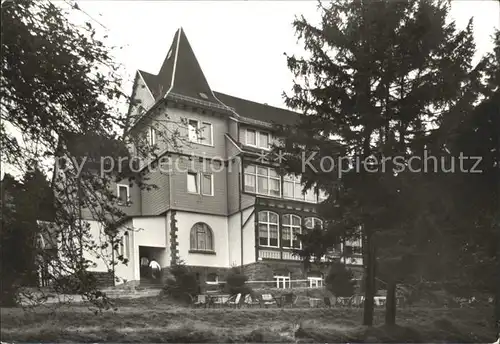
x=390, y=306
x=369, y=282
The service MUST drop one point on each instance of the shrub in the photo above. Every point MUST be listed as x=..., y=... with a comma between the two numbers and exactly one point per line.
x=182, y=283
x=236, y=282
x=79, y=283
x=339, y=280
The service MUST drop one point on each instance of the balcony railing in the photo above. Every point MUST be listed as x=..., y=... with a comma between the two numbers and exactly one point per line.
x=269, y=254
x=288, y=255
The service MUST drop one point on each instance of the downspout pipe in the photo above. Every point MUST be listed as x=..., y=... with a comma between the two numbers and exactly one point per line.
x=240, y=176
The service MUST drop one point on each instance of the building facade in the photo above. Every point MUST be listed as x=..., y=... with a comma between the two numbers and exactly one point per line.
x=219, y=204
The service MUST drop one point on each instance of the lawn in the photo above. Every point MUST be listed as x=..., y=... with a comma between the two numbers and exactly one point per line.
x=153, y=320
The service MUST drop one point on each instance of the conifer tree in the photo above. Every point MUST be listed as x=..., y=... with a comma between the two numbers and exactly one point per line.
x=378, y=78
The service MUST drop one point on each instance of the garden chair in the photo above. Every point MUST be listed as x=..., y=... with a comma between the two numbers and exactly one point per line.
x=314, y=302
x=357, y=300
x=250, y=301
x=267, y=299
x=327, y=302
x=343, y=301
x=220, y=300
x=234, y=300
x=201, y=301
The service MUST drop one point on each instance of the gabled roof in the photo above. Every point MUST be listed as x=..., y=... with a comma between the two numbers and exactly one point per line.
x=181, y=74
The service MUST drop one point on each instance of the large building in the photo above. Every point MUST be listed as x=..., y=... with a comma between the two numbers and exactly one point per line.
x=220, y=204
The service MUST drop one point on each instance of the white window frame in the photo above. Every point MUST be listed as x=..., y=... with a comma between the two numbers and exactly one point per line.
x=268, y=225
x=199, y=183
x=197, y=180
x=199, y=140
x=256, y=176
x=295, y=181
x=120, y=202
x=293, y=230
x=201, y=176
x=246, y=137
x=315, y=282
x=257, y=138
x=151, y=136
x=281, y=282
x=313, y=222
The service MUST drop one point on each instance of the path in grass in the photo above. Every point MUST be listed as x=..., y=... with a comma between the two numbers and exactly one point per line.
x=155, y=321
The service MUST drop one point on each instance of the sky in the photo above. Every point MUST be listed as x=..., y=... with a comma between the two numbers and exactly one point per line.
x=240, y=45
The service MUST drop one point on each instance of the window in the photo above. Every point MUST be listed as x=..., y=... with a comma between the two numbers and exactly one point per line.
x=151, y=136
x=282, y=282
x=123, y=194
x=192, y=182
x=312, y=222
x=315, y=282
x=353, y=247
x=250, y=178
x=201, y=237
x=268, y=229
x=203, y=95
x=205, y=180
x=212, y=279
x=251, y=138
x=200, y=132
x=262, y=180
x=290, y=228
x=263, y=140
x=258, y=139
x=292, y=188
x=207, y=184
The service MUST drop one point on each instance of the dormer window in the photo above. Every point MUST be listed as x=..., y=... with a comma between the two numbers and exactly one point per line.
x=203, y=95
x=256, y=138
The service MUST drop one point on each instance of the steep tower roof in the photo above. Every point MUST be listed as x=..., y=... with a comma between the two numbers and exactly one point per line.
x=180, y=73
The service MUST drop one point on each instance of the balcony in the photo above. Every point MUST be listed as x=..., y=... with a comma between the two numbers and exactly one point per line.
x=276, y=254
x=269, y=254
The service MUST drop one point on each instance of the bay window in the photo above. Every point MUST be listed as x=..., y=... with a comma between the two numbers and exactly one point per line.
x=262, y=180
x=268, y=229
x=290, y=228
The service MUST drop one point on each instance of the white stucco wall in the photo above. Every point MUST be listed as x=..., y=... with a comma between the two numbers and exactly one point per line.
x=103, y=257
x=248, y=236
x=234, y=239
x=219, y=226
x=150, y=231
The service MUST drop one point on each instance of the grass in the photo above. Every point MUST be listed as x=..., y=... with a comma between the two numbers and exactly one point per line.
x=154, y=320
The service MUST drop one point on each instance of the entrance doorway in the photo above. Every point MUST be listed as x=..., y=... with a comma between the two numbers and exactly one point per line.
x=151, y=263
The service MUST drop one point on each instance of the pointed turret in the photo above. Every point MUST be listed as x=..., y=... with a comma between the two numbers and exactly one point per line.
x=180, y=73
